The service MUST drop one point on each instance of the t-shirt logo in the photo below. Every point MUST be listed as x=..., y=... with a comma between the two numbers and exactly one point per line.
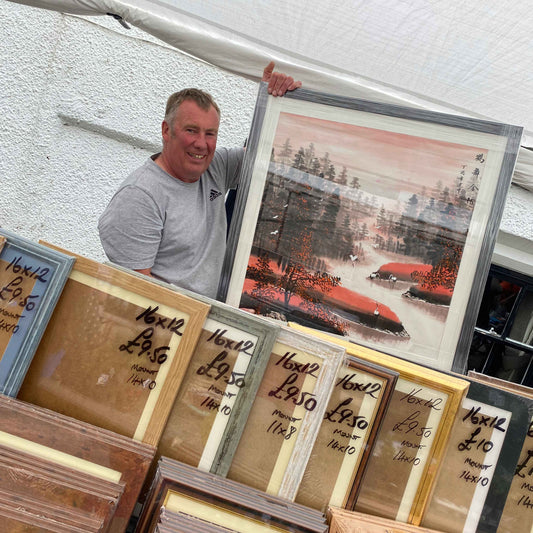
x=214, y=194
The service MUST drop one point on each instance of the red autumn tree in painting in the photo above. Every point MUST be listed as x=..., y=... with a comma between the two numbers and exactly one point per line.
x=295, y=280
x=444, y=273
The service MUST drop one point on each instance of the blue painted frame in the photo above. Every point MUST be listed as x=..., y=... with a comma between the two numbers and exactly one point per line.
x=24, y=316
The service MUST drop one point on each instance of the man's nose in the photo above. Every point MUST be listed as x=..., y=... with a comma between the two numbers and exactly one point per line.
x=200, y=140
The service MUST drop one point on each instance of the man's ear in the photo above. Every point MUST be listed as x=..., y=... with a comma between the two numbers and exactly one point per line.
x=165, y=130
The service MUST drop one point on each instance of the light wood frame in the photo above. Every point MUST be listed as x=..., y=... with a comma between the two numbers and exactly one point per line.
x=126, y=381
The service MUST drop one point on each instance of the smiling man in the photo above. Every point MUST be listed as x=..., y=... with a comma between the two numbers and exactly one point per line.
x=167, y=219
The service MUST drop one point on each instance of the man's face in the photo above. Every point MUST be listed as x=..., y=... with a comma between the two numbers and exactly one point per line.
x=189, y=147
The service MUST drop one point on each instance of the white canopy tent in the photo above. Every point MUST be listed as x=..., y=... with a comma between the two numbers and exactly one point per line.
x=457, y=57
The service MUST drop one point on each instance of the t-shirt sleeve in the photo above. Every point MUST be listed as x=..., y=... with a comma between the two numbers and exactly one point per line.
x=130, y=229
x=228, y=163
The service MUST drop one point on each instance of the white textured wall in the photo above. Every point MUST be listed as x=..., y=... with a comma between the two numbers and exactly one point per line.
x=81, y=102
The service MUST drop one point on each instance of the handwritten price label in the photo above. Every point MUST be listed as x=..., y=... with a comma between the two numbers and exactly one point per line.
x=142, y=345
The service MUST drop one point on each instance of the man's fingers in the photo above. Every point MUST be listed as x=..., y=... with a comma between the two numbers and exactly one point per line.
x=295, y=85
x=267, y=72
x=278, y=83
x=285, y=85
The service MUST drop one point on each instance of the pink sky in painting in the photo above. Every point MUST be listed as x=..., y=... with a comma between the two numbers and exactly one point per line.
x=383, y=161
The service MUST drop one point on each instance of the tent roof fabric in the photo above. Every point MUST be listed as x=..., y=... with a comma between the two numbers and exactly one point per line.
x=456, y=57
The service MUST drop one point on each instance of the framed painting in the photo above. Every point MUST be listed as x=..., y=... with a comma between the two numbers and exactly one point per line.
x=32, y=277
x=50, y=436
x=344, y=443
x=219, y=386
x=115, y=351
x=369, y=220
x=286, y=414
x=480, y=461
x=412, y=439
x=180, y=488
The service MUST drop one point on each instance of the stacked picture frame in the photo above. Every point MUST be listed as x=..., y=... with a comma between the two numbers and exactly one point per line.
x=412, y=439
x=32, y=277
x=221, y=503
x=285, y=416
x=29, y=479
x=52, y=440
x=516, y=514
x=345, y=440
x=479, y=465
x=115, y=351
x=344, y=521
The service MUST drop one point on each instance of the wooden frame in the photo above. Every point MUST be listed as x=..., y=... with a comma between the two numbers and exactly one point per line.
x=115, y=351
x=170, y=522
x=347, y=435
x=23, y=514
x=412, y=439
x=32, y=478
x=380, y=226
x=56, y=437
x=31, y=279
x=480, y=462
x=217, y=500
x=342, y=521
x=272, y=451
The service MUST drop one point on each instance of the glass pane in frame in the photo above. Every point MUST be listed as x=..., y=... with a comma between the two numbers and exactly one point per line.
x=480, y=461
x=218, y=388
x=217, y=391
x=412, y=439
x=286, y=414
x=522, y=329
x=347, y=435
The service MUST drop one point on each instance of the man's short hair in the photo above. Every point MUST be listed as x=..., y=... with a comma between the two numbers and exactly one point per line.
x=202, y=99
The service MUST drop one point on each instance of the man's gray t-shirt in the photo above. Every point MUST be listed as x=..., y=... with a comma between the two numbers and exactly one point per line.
x=176, y=229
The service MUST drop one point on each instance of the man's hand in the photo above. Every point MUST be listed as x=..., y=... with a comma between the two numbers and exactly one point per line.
x=278, y=83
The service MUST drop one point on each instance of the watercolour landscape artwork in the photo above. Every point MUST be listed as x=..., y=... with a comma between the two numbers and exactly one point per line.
x=363, y=223
x=369, y=243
